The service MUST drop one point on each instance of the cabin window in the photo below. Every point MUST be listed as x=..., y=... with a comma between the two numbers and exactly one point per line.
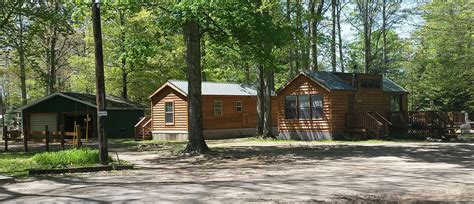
x=169, y=112
x=290, y=107
x=238, y=106
x=304, y=107
x=317, y=106
x=217, y=108
x=395, y=103
x=370, y=83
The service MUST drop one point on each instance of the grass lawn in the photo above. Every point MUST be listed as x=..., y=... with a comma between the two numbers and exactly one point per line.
x=17, y=163
x=171, y=145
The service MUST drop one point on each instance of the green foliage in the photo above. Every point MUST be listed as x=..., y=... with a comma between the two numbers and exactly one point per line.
x=440, y=73
x=72, y=157
x=18, y=163
x=15, y=164
x=143, y=41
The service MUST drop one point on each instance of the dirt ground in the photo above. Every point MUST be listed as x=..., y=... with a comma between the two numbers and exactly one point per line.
x=250, y=171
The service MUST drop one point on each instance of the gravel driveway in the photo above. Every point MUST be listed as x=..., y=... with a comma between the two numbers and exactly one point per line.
x=270, y=172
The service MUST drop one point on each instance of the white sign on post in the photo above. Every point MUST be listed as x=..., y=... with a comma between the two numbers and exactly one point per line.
x=102, y=113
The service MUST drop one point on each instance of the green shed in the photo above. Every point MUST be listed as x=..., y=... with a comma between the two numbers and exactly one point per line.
x=69, y=109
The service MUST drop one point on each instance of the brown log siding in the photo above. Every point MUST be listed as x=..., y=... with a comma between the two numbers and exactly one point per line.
x=303, y=86
x=158, y=110
x=231, y=119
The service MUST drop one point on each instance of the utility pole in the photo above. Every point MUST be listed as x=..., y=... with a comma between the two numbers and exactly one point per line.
x=100, y=84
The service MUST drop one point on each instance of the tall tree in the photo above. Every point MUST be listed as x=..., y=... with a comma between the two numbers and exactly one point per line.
x=260, y=99
x=339, y=33
x=333, y=34
x=191, y=32
x=315, y=16
x=18, y=35
x=121, y=16
x=367, y=13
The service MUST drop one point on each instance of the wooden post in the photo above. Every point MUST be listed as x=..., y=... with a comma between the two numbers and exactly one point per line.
x=78, y=138
x=100, y=83
x=61, y=136
x=5, y=137
x=46, y=132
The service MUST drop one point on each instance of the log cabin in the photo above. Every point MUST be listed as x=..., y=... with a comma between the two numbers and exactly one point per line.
x=318, y=105
x=314, y=105
x=228, y=110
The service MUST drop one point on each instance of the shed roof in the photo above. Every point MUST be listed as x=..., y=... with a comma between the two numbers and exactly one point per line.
x=328, y=80
x=112, y=102
x=215, y=88
x=331, y=81
x=390, y=86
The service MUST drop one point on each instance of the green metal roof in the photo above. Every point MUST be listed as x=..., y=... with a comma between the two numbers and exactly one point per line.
x=331, y=81
x=328, y=80
x=112, y=102
x=390, y=86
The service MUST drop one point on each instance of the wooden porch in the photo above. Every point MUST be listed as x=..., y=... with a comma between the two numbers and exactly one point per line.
x=369, y=124
x=412, y=124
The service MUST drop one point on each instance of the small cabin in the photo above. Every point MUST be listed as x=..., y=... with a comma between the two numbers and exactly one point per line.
x=318, y=105
x=69, y=109
x=228, y=111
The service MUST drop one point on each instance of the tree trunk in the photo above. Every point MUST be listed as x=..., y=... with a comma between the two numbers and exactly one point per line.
x=124, y=81
x=260, y=99
x=52, y=55
x=291, y=67
x=299, y=47
x=367, y=36
x=315, y=15
x=52, y=62
x=196, y=142
x=341, y=57
x=384, y=36
x=313, y=56
x=124, y=62
x=333, y=35
x=21, y=53
x=267, y=116
x=100, y=85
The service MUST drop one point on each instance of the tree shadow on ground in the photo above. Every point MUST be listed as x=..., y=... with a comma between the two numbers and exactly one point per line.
x=457, y=154
x=268, y=159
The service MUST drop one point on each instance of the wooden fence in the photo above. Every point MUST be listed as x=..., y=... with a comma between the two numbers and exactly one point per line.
x=8, y=135
x=48, y=137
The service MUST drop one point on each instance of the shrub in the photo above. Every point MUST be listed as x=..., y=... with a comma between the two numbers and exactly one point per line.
x=73, y=157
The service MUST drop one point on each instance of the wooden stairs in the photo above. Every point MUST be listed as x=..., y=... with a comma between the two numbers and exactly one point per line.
x=367, y=125
x=143, y=129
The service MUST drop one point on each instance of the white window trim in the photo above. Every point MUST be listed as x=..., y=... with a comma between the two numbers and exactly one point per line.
x=241, y=106
x=214, y=108
x=173, y=112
